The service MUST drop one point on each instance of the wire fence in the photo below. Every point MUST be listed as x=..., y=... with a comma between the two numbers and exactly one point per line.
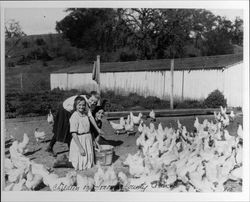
x=27, y=82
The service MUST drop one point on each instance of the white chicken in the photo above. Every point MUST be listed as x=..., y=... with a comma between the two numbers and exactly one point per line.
x=50, y=118
x=20, y=186
x=140, y=127
x=129, y=126
x=110, y=177
x=17, y=158
x=240, y=131
x=9, y=187
x=54, y=182
x=152, y=115
x=135, y=119
x=39, y=135
x=122, y=121
x=98, y=177
x=33, y=180
x=84, y=183
x=116, y=126
x=22, y=146
x=232, y=115
x=8, y=165
x=236, y=174
x=223, y=110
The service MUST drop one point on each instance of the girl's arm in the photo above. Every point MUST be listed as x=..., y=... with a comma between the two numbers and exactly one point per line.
x=92, y=120
x=81, y=150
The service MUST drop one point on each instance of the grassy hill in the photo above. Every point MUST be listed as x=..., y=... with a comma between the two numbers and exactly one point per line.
x=30, y=60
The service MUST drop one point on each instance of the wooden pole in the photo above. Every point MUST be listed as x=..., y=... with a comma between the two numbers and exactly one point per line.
x=21, y=81
x=172, y=85
x=182, y=89
x=98, y=69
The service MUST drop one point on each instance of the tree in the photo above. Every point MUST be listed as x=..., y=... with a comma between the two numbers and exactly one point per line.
x=89, y=28
x=218, y=41
x=141, y=23
x=14, y=32
x=237, y=32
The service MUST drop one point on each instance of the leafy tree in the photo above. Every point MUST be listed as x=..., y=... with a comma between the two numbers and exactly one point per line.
x=89, y=28
x=237, y=32
x=14, y=32
x=218, y=41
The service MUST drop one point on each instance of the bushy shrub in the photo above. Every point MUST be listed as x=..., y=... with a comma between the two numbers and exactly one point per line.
x=188, y=104
x=40, y=42
x=25, y=44
x=215, y=99
x=39, y=102
x=124, y=56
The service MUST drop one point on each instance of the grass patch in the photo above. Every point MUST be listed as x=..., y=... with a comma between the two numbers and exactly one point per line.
x=38, y=103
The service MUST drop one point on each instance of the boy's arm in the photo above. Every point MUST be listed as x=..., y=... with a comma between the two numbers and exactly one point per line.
x=92, y=120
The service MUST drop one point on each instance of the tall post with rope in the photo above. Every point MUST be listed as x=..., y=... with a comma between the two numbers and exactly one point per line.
x=96, y=74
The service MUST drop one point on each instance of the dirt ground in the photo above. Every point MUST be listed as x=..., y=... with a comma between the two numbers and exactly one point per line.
x=124, y=144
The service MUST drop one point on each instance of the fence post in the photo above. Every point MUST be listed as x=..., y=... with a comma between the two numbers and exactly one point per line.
x=172, y=85
x=21, y=81
x=182, y=88
x=99, y=70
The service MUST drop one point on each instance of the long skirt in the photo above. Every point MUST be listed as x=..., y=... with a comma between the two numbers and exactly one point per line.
x=78, y=161
x=61, y=126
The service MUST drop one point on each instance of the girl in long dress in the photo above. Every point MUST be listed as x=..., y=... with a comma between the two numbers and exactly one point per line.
x=81, y=153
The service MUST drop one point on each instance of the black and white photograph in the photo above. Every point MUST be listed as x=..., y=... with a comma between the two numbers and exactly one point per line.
x=120, y=97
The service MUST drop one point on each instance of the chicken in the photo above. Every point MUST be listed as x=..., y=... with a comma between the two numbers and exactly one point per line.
x=39, y=169
x=135, y=119
x=8, y=165
x=15, y=174
x=20, y=186
x=116, y=126
x=223, y=110
x=136, y=165
x=33, y=180
x=54, y=182
x=180, y=188
x=129, y=127
x=122, y=121
x=110, y=177
x=151, y=127
x=84, y=183
x=240, y=131
x=232, y=115
x=140, y=127
x=50, y=118
x=140, y=141
x=236, y=174
x=197, y=125
x=17, y=158
x=217, y=116
x=39, y=135
x=50, y=179
x=238, y=155
x=22, y=146
x=152, y=115
x=9, y=187
x=98, y=177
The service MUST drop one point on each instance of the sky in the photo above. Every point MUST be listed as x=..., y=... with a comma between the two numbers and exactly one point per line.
x=43, y=20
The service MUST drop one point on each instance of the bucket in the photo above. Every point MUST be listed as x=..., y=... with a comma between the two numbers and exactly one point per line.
x=105, y=155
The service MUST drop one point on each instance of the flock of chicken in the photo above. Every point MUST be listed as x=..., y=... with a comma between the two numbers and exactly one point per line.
x=177, y=160
x=167, y=160
x=128, y=125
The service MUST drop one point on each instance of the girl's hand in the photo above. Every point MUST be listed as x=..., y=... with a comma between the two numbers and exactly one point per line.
x=97, y=146
x=101, y=132
x=82, y=152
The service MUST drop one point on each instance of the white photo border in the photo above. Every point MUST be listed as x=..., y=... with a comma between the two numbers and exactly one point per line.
x=145, y=196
